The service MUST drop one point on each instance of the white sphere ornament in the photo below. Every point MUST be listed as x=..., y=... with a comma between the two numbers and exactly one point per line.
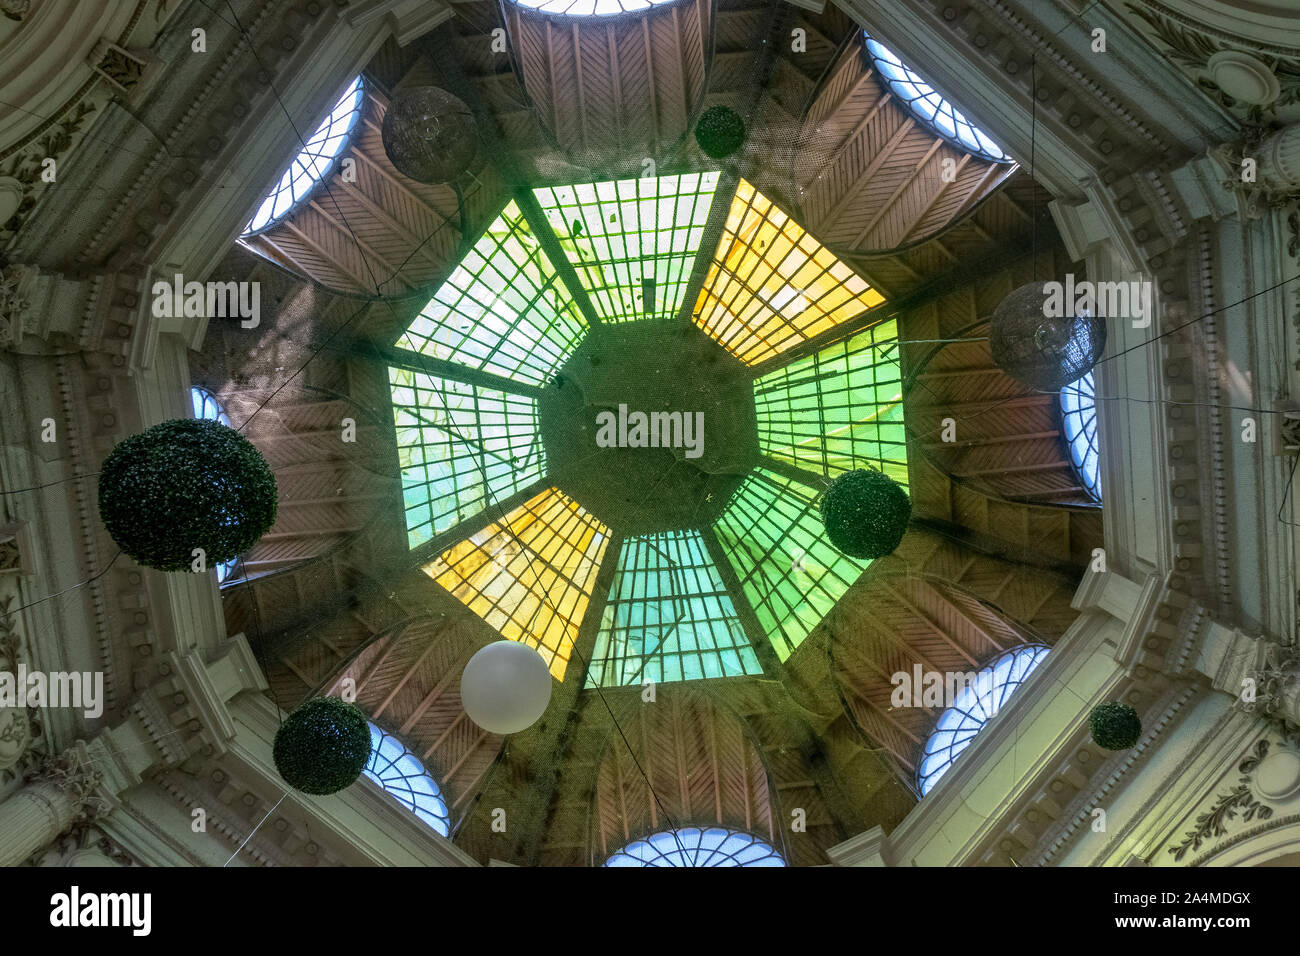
x=506, y=687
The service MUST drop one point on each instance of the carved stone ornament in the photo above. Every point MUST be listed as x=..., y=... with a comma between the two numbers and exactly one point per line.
x=15, y=286
x=15, y=9
x=1280, y=667
x=1213, y=823
x=72, y=773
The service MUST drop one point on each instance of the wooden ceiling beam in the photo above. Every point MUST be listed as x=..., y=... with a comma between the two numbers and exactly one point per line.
x=925, y=619
x=974, y=625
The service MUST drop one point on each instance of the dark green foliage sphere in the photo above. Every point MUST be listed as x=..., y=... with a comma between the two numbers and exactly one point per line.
x=186, y=484
x=1114, y=726
x=720, y=131
x=322, y=746
x=866, y=513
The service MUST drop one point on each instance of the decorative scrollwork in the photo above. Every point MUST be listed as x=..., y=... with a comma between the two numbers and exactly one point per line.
x=1214, y=822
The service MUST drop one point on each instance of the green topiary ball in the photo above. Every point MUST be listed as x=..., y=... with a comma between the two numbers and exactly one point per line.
x=866, y=513
x=720, y=131
x=186, y=484
x=1115, y=726
x=322, y=746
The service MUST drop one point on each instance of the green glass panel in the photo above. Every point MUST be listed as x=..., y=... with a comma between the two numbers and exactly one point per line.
x=502, y=310
x=460, y=447
x=632, y=242
x=773, y=535
x=669, y=617
x=839, y=409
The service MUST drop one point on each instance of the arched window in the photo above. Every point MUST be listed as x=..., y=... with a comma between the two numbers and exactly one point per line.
x=694, y=846
x=403, y=775
x=931, y=108
x=206, y=406
x=586, y=8
x=976, y=704
x=313, y=162
x=1079, y=416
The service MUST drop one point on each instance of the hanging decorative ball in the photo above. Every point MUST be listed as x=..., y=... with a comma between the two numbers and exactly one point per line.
x=186, y=484
x=866, y=513
x=429, y=135
x=506, y=687
x=1041, y=350
x=720, y=131
x=323, y=746
x=1114, y=726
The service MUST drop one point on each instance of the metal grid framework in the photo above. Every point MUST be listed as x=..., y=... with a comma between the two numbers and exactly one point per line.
x=975, y=706
x=697, y=846
x=1079, y=420
x=771, y=285
x=931, y=108
x=669, y=617
x=632, y=242
x=502, y=310
x=460, y=447
x=774, y=539
x=838, y=409
x=400, y=772
x=313, y=162
x=531, y=574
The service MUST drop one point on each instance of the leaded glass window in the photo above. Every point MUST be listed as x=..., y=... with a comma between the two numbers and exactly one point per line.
x=313, y=163
x=404, y=776
x=669, y=617
x=771, y=285
x=587, y=8
x=531, y=574
x=930, y=107
x=460, y=447
x=206, y=405
x=698, y=846
x=632, y=242
x=976, y=704
x=1079, y=416
x=838, y=409
x=774, y=538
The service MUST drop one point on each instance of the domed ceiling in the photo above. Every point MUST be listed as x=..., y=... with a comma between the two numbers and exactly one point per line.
x=599, y=384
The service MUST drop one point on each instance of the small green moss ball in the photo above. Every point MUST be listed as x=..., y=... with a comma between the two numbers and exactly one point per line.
x=323, y=746
x=1114, y=726
x=866, y=513
x=720, y=131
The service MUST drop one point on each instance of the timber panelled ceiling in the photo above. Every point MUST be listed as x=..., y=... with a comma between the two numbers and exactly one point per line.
x=1002, y=527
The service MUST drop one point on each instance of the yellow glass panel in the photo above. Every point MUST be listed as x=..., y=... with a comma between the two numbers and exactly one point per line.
x=530, y=575
x=771, y=285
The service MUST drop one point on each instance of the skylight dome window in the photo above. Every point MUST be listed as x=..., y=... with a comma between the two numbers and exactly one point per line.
x=313, y=162
x=587, y=8
x=404, y=776
x=1079, y=411
x=694, y=846
x=975, y=706
x=930, y=107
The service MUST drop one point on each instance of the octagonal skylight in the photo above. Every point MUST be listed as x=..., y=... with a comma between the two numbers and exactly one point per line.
x=517, y=509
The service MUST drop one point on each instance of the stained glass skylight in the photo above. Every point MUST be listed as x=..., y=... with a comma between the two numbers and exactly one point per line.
x=502, y=310
x=976, y=705
x=771, y=285
x=632, y=242
x=695, y=846
x=669, y=617
x=460, y=447
x=930, y=107
x=587, y=8
x=530, y=575
x=1079, y=416
x=838, y=409
x=404, y=776
x=313, y=163
x=774, y=538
